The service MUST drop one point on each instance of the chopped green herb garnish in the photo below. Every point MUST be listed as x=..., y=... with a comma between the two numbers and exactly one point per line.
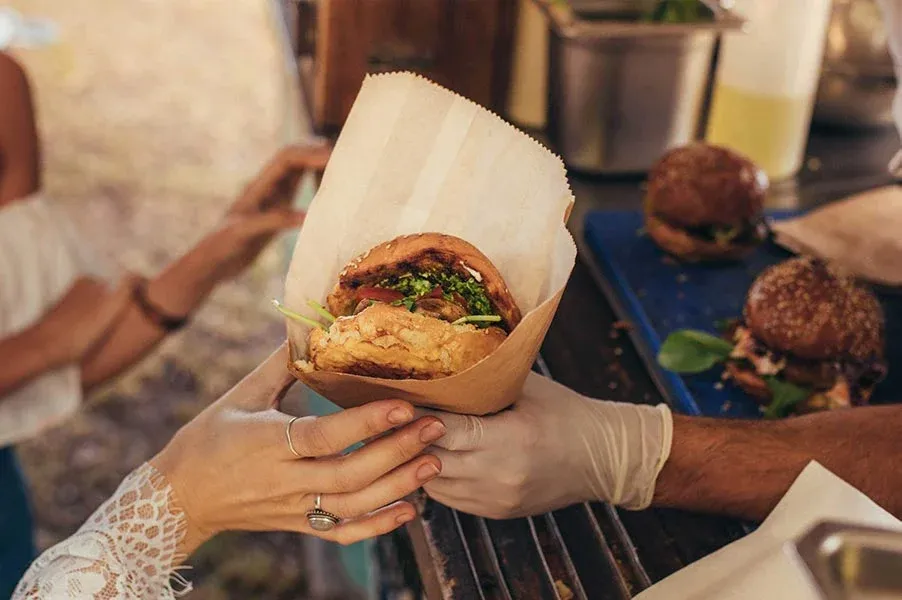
x=477, y=319
x=297, y=317
x=321, y=310
x=415, y=286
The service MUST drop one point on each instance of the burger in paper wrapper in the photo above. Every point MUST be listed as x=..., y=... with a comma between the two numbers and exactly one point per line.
x=433, y=257
x=420, y=306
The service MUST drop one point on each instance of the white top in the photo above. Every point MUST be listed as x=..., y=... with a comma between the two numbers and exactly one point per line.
x=41, y=256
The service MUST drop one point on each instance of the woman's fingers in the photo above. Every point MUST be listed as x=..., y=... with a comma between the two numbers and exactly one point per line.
x=265, y=386
x=359, y=469
x=393, y=486
x=288, y=162
x=315, y=437
x=385, y=520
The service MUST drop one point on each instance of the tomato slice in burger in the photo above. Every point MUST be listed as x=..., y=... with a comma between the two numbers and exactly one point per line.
x=460, y=301
x=378, y=294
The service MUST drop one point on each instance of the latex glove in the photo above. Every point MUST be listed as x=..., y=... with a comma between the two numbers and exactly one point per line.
x=231, y=467
x=553, y=448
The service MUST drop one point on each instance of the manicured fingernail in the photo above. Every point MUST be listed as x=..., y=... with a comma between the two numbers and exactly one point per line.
x=432, y=432
x=405, y=518
x=427, y=471
x=399, y=415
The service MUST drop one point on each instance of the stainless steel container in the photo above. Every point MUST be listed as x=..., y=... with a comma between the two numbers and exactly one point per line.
x=858, y=82
x=849, y=562
x=622, y=92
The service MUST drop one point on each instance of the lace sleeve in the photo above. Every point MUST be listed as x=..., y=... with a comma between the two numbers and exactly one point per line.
x=126, y=549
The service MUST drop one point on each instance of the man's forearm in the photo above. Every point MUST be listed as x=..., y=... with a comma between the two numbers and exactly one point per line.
x=743, y=468
x=178, y=290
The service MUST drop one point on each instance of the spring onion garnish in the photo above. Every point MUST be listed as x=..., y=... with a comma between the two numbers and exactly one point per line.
x=477, y=319
x=293, y=315
x=319, y=308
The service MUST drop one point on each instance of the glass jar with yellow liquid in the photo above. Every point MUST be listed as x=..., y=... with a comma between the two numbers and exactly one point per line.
x=766, y=82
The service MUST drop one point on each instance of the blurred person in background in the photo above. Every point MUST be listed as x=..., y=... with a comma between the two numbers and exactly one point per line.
x=63, y=330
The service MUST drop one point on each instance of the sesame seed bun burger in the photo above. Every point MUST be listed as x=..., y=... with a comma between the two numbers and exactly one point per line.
x=806, y=324
x=704, y=203
x=421, y=306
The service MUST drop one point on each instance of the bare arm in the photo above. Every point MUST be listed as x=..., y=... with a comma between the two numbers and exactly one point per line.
x=743, y=468
x=19, y=146
x=255, y=218
x=178, y=290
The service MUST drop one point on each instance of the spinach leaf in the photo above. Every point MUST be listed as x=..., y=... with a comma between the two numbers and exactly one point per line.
x=690, y=351
x=786, y=396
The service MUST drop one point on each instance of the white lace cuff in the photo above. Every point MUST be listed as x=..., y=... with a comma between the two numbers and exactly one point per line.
x=126, y=549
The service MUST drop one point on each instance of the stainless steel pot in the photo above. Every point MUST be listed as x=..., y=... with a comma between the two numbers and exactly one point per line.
x=620, y=93
x=858, y=82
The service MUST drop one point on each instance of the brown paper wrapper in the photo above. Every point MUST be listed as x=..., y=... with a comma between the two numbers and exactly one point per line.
x=414, y=157
x=861, y=234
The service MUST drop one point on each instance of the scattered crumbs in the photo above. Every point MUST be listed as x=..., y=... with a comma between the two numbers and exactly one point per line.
x=762, y=409
x=814, y=164
x=562, y=590
x=726, y=406
x=718, y=386
x=669, y=260
x=623, y=326
x=682, y=278
x=618, y=351
x=612, y=385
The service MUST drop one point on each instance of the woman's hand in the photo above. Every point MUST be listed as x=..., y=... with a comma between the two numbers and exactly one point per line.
x=231, y=467
x=263, y=209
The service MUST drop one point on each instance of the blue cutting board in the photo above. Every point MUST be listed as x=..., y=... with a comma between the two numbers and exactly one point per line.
x=658, y=295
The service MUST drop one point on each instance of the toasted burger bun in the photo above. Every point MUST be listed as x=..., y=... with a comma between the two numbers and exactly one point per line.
x=805, y=307
x=393, y=343
x=699, y=185
x=685, y=246
x=420, y=253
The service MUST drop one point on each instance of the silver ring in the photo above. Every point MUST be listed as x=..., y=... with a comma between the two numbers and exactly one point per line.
x=288, y=437
x=319, y=519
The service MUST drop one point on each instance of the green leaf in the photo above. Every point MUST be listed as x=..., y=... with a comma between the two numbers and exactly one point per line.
x=690, y=351
x=297, y=317
x=786, y=396
x=319, y=308
x=477, y=319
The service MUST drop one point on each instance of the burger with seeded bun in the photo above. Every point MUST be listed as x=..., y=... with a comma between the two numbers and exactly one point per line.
x=810, y=326
x=704, y=203
x=421, y=306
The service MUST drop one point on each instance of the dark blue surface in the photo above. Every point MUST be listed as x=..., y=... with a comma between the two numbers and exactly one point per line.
x=659, y=296
x=16, y=544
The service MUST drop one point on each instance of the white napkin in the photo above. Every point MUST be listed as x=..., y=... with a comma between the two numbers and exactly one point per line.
x=41, y=256
x=756, y=566
x=23, y=32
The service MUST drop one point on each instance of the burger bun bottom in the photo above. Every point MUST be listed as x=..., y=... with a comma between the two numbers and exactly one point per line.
x=690, y=248
x=393, y=343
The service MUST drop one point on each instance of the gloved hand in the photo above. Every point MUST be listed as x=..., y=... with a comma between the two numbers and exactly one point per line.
x=553, y=448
